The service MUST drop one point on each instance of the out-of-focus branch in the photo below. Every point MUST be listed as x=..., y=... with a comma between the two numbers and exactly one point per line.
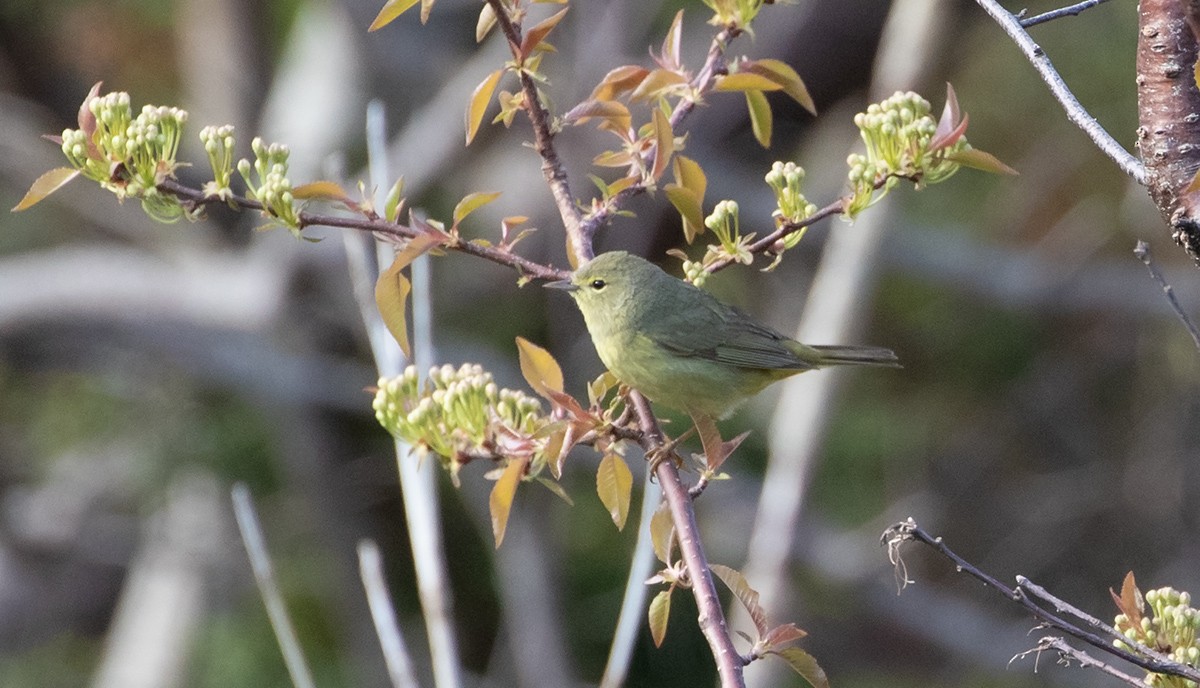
x=1024, y=594
x=1142, y=251
x=383, y=613
x=1075, y=111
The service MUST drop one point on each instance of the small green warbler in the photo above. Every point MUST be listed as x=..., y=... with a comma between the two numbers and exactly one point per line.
x=680, y=346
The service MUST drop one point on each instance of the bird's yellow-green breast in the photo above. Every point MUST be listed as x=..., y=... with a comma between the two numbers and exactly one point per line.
x=680, y=346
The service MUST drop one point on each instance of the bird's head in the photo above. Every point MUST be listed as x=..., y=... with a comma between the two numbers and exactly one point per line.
x=608, y=282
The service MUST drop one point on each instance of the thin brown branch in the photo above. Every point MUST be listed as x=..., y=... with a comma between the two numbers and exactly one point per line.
x=712, y=618
x=769, y=240
x=579, y=242
x=390, y=231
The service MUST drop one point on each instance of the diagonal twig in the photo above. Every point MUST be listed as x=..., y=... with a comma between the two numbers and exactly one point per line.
x=1068, y=11
x=1142, y=251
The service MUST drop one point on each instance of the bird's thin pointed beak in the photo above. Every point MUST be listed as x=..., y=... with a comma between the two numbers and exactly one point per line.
x=565, y=285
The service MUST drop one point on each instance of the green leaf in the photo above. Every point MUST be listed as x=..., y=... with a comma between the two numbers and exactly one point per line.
x=760, y=117
x=45, y=185
x=394, y=201
x=487, y=20
x=804, y=664
x=746, y=81
x=734, y=580
x=556, y=489
x=391, y=10
x=501, y=499
x=660, y=612
x=782, y=74
x=980, y=160
x=662, y=533
x=614, y=113
x=664, y=140
x=614, y=484
x=472, y=202
x=688, y=205
x=481, y=97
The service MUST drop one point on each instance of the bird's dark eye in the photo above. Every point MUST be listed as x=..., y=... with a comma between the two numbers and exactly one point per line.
x=598, y=284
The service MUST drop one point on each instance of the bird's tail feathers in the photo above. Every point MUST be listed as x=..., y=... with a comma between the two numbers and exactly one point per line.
x=857, y=355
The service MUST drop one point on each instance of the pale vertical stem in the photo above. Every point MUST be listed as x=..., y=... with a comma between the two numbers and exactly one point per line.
x=835, y=311
x=268, y=587
x=418, y=487
x=383, y=613
x=632, y=618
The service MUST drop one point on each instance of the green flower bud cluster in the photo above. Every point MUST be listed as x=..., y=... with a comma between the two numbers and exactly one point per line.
x=129, y=155
x=274, y=189
x=737, y=13
x=785, y=180
x=1171, y=628
x=457, y=413
x=899, y=133
x=694, y=272
x=218, y=144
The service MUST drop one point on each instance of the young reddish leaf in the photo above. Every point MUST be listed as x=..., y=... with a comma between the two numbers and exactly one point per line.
x=501, y=499
x=614, y=484
x=655, y=83
x=734, y=580
x=782, y=73
x=660, y=612
x=950, y=114
x=480, y=98
x=487, y=20
x=472, y=202
x=980, y=160
x=426, y=8
x=391, y=295
x=664, y=140
x=87, y=121
x=746, y=81
x=804, y=664
x=615, y=115
x=322, y=190
x=45, y=185
x=618, y=81
x=760, y=117
x=782, y=635
x=538, y=33
x=540, y=369
x=688, y=204
x=716, y=451
x=662, y=533
x=1130, y=602
x=1195, y=184
x=391, y=10
x=669, y=58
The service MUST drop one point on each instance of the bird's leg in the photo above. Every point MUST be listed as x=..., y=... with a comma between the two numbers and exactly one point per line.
x=666, y=450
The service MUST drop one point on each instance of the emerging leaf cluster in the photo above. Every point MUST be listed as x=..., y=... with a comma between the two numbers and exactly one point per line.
x=1170, y=628
x=904, y=141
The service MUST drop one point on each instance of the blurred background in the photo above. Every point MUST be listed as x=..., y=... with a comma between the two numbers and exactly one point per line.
x=1046, y=422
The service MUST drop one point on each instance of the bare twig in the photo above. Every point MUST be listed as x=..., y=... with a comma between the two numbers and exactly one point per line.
x=383, y=613
x=712, y=619
x=1075, y=111
x=1067, y=653
x=1142, y=251
x=1145, y=658
x=268, y=587
x=1068, y=11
